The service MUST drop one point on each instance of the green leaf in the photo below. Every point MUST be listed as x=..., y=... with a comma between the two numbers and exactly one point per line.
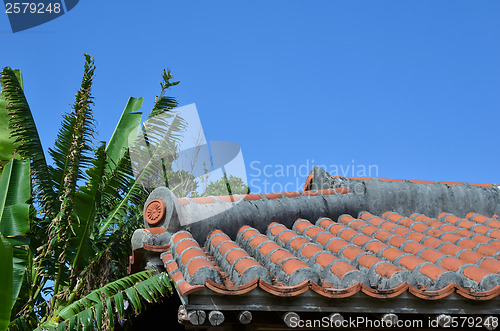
x=24, y=135
x=134, y=299
x=98, y=314
x=119, y=304
x=89, y=311
x=6, y=142
x=85, y=208
x=14, y=192
x=129, y=122
x=6, y=279
x=14, y=216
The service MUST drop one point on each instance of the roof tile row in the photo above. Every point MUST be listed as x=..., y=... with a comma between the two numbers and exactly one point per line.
x=379, y=256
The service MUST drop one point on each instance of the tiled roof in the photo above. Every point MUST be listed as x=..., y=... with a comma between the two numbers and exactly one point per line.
x=381, y=256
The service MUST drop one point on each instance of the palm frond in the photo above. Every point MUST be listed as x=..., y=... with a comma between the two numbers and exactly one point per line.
x=87, y=201
x=71, y=159
x=25, y=136
x=164, y=103
x=99, y=307
x=74, y=140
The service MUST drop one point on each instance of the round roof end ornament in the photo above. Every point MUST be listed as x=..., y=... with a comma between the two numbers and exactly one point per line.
x=155, y=211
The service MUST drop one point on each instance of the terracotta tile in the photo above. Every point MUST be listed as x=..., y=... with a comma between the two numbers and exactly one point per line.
x=347, y=234
x=485, y=185
x=375, y=246
x=323, y=238
x=310, y=193
x=242, y=265
x=183, y=245
x=177, y=276
x=280, y=255
x=432, y=242
x=195, y=265
x=393, y=216
x=251, y=197
x=291, y=194
x=451, y=263
x=390, y=180
x=308, y=182
x=352, y=252
x=324, y=259
x=235, y=255
x=382, y=235
x=450, y=249
x=336, y=245
x=417, y=236
x=183, y=201
x=421, y=181
x=324, y=223
x=340, y=268
x=361, y=240
x=432, y=271
x=312, y=231
x=396, y=241
x=431, y=255
x=387, y=270
x=492, y=265
x=391, y=253
x=204, y=200
x=181, y=235
x=272, y=195
x=342, y=190
x=360, y=178
x=413, y=247
x=285, y=236
x=268, y=247
x=410, y=261
x=475, y=273
x=310, y=250
x=191, y=253
x=297, y=243
x=228, y=198
x=301, y=225
x=155, y=230
x=292, y=265
x=368, y=260
x=327, y=192
x=402, y=231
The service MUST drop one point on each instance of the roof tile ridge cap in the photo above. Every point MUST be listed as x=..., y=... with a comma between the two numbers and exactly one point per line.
x=336, y=292
x=282, y=290
x=385, y=293
x=433, y=294
x=482, y=295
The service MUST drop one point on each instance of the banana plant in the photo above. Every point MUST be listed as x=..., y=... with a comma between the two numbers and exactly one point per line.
x=69, y=240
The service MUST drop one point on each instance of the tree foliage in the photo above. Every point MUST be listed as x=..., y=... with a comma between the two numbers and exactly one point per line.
x=65, y=227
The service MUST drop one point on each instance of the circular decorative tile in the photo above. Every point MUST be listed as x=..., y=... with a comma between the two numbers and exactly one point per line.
x=155, y=211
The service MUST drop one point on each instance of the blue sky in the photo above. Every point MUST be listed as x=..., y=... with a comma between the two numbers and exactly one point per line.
x=412, y=87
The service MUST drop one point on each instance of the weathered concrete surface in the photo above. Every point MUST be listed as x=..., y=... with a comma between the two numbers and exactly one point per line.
x=374, y=195
x=408, y=197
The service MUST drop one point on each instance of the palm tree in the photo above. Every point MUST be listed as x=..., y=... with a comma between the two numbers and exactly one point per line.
x=65, y=228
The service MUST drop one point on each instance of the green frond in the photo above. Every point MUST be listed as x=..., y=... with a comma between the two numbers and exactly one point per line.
x=164, y=103
x=71, y=159
x=24, y=135
x=86, y=206
x=101, y=306
x=129, y=122
x=74, y=140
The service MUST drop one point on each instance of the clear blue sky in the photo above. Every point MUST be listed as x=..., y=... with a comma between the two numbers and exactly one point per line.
x=412, y=87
